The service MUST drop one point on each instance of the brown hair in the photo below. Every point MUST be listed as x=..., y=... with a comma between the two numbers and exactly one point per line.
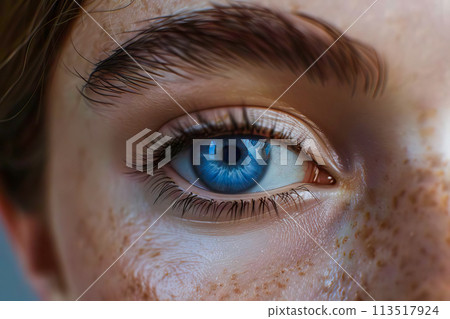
x=30, y=35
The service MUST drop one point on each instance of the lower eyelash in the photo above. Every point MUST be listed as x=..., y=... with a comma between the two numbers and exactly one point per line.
x=195, y=206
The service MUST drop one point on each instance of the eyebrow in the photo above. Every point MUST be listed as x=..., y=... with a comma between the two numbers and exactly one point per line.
x=211, y=40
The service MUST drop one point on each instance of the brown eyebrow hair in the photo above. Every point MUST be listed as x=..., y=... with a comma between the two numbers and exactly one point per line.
x=211, y=40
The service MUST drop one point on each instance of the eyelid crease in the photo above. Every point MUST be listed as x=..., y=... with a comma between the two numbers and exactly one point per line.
x=210, y=40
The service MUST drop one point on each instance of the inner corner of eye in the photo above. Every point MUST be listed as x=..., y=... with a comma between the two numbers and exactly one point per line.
x=319, y=175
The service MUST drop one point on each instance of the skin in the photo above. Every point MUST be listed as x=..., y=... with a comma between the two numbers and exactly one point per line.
x=386, y=223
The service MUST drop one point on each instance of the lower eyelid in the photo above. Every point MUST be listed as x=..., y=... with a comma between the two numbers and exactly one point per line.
x=193, y=206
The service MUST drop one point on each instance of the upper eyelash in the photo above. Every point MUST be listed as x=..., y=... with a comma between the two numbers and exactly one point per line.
x=211, y=129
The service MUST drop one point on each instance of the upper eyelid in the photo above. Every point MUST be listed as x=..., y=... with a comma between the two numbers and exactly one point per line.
x=163, y=48
x=236, y=120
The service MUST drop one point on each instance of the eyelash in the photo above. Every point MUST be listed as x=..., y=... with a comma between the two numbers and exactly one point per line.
x=163, y=187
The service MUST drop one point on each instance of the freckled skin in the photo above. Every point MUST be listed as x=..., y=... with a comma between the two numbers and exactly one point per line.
x=388, y=224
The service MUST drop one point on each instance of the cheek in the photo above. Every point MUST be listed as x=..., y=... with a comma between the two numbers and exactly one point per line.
x=399, y=239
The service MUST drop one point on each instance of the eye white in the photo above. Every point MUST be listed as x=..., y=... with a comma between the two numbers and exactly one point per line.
x=277, y=174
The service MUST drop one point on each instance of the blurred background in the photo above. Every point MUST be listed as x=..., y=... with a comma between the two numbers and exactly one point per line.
x=13, y=285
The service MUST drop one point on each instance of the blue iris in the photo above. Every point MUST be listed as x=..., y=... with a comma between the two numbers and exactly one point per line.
x=239, y=165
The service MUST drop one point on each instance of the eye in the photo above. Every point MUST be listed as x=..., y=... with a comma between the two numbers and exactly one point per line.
x=234, y=169
x=235, y=164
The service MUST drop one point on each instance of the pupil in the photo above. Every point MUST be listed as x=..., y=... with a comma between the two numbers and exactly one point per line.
x=237, y=158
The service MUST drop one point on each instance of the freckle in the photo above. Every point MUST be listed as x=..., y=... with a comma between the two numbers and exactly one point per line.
x=380, y=263
x=156, y=254
x=233, y=277
x=350, y=255
x=385, y=224
x=337, y=243
x=444, y=202
x=427, y=132
x=366, y=232
x=237, y=291
x=414, y=285
x=224, y=297
x=412, y=198
x=354, y=224
x=429, y=201
x=344, y=240
x=301, y=273
x=367, y=216
x=280, y=285
x=426, y=115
